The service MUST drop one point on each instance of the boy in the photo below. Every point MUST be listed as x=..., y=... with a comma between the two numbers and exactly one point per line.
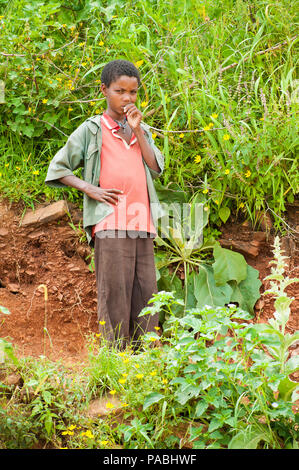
x=120, y=204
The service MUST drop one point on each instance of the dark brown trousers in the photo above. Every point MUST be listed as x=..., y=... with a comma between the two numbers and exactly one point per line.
x=126, y=280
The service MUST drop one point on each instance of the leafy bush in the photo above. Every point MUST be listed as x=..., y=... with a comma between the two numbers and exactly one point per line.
x=219, y=91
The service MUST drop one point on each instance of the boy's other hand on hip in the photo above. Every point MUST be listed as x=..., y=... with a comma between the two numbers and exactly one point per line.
x=109, y=196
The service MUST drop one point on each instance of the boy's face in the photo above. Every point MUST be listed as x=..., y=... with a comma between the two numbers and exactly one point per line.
x=121, y=92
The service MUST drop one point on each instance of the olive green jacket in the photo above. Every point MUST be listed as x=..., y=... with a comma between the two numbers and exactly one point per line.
x=83, y=149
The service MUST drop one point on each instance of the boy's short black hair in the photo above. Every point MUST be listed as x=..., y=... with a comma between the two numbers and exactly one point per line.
x=116, y=68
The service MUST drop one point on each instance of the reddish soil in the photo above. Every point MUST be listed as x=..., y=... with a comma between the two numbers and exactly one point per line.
x=51, y=254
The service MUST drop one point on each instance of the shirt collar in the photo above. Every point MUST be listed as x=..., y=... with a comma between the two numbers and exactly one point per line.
x=109, y=122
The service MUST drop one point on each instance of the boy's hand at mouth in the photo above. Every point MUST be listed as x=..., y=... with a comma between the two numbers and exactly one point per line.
x=133, y=116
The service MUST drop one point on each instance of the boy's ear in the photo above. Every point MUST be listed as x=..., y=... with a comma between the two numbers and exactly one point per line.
x=104, y=89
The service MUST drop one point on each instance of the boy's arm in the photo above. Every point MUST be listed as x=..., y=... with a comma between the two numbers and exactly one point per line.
x=68, y=158
x=146, y=150
x=95, y=192
x=150, y=153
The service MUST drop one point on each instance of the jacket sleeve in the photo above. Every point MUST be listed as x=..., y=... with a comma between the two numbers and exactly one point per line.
x=68, y=158
x=158, y=155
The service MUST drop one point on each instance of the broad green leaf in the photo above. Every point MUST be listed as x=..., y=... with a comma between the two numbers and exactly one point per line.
x=292, y=365
x=224, y=213
x=228, y=266
x=248, y=439
x=247, y=292
x=286, y=388
x=152, y=398
x=205, y=290
x=291, y=339
x=215, y=424
x=201, y=407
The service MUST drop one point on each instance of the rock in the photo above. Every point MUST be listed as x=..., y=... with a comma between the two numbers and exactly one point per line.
x=75, y=269
x=13, y=287
x=260, y=304
x=47, y=214
x=36, y=234
x=264, y=221
x=259, y=236
x=13, y=380
x=242, y=247
x=3, y=232
x=103, y=406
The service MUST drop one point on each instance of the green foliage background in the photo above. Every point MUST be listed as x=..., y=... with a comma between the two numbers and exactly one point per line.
x=222, y=109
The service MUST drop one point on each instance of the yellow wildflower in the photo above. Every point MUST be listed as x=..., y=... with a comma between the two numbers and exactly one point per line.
x=214, y=116
x=139, y=376
x=97, y=111
x=154, y=136
x=247, y=174
x=35, y=172
x=6, y=165
x=102, y=322
x=206, y=128
x=205, y=191
x=226, y=171
x=241, y=205
x=101, y=43
x=112, y=392
x=18, y=167
x=153, y=373
x=124, y=404
x=67, y=433
x=157, y=328
x=197, y=159
x=0, y=175
x=262, y=119
x=103, y=443
x=45, y=100
x=165, y=381
x=98, y=335
x=137, y=366
x=109, y=405
x=70, y=109
x=138, y=63
x=211, y=125
x=226, y=137
x=92, y=103
x=181, y=136
x=125, y=361
x=122, y=381
x=144, y=104
x=88, y=433
x=121, y=354
x=72, y=427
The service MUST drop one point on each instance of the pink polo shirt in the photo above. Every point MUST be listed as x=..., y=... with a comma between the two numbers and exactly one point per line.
x=122, y=168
